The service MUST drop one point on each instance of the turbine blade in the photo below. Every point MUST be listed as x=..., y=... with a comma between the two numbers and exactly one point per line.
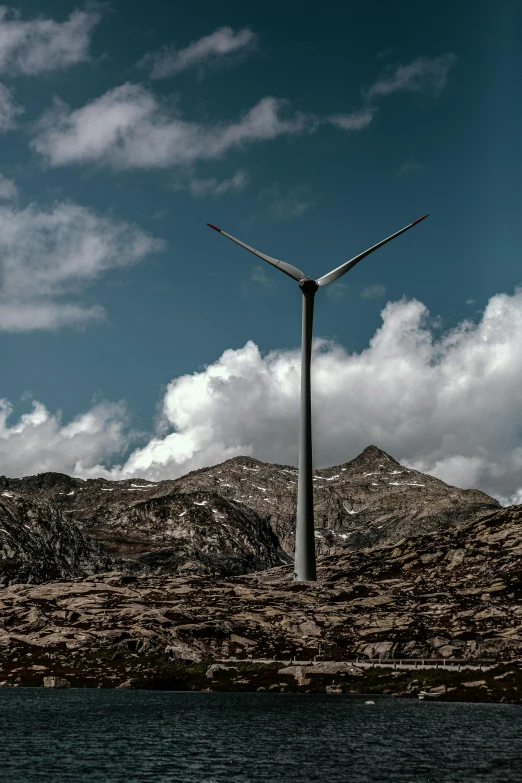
x=341, y=270
x=288, y=269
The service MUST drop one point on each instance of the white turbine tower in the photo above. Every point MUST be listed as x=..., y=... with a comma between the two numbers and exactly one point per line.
x=304, y=558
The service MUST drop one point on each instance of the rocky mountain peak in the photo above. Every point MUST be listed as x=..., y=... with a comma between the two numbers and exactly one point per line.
x=371, y=456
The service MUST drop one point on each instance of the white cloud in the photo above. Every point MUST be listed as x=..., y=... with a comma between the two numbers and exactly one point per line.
x=356, y=120
x=8, y=189
x=128, y=128
x=41, y=44
x=215, y=187
x=373, y=291
x=222, y=43
x=449, y=405
x=424, y=73
x=48, y=256
x=9, y=110
x=39, y=441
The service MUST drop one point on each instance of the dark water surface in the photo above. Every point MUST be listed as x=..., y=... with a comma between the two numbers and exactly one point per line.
x=104, y=736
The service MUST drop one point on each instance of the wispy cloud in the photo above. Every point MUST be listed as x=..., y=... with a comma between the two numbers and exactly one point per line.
x=356, y=120
x=337, y=292
x=373, y=291
x=215, y=187
x=8, y=189
x=282, y=206
x=9, y=109
x=384, y=53
x=47, y=257
x=259, y=275
x=41, y=44
x=424, y=73
x=205, y=52
x=129, y=128
x=410, y=166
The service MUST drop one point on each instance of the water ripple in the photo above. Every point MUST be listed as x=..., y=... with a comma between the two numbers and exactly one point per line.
x=166, y=737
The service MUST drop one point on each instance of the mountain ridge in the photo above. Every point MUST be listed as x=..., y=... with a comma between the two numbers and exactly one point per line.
x=239, y=516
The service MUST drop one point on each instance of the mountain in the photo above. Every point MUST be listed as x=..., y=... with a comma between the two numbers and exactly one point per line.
x=239, y=516
x=369, y=500
x=454, y=593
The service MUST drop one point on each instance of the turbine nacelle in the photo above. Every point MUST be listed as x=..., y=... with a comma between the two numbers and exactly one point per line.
x=307, y=285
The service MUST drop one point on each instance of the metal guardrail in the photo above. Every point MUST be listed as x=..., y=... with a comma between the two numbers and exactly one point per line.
x=482, y=664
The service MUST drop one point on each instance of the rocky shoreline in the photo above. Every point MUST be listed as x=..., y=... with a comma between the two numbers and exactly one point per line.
x=500, y=684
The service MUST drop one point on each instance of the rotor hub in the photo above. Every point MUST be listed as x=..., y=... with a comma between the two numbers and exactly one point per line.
x=308, y=285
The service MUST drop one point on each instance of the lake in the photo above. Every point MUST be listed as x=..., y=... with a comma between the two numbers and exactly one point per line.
x=113, y=736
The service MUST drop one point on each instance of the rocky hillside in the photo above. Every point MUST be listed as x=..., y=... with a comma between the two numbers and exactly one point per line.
x=38, y=543
x=59, y=527
x=456, y=593
x=223, y=511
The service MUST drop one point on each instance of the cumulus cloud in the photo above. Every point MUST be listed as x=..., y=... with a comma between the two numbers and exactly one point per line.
x=41, y=44
x=207, y=51
x=448, y=405
x=128, y=128
x=49, y=255
x=9, y=109
x=39, y=441
x=215, y=187
x=424, y=73
x=8, y=189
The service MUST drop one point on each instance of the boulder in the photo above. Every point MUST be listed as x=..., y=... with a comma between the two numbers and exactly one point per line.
x=56, y=682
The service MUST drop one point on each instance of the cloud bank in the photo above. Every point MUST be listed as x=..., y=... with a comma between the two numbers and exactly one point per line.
x=449, y=405
x=49, y=255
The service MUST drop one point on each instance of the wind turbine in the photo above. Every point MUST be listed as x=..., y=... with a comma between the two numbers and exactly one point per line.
x=304, y=557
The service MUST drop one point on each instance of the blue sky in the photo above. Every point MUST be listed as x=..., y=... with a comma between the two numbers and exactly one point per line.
x=310, y=132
